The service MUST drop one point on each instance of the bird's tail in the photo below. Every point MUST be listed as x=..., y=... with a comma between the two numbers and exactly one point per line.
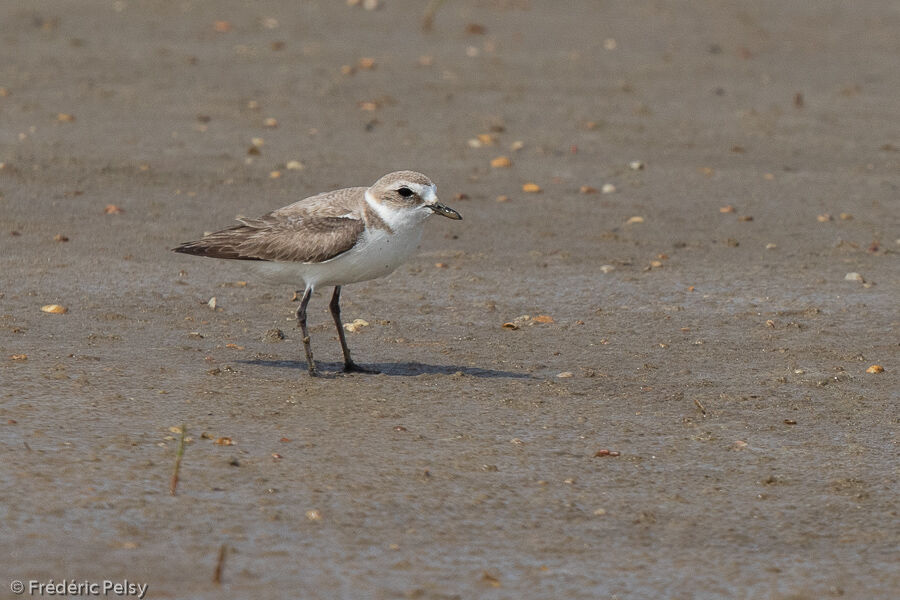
x=221, y=244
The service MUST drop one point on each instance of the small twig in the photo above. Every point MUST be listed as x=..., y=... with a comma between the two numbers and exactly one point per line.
x=700, y=406
x=430, y=11
x=220, y=564
x=174, y=483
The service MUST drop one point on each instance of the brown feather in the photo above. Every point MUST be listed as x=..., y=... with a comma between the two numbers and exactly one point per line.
x=312, y=240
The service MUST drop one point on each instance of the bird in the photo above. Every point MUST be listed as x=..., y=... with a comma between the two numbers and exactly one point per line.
x=332, y=239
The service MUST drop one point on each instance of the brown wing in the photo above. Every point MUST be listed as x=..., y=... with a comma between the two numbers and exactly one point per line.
x=306, y=238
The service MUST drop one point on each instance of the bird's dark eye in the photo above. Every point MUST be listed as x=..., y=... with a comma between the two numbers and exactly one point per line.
x=405, y=192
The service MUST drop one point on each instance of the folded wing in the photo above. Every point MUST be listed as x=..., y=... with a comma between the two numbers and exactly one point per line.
x=307, y=238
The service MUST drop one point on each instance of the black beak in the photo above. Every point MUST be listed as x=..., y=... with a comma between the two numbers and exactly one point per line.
x=445, y=211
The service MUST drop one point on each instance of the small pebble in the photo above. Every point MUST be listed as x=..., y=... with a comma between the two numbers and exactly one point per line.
x=636, y=165
x=605, y=452
x=313, y=515
x=476, y=29
x=501, y=162
x=607, y=268
x=875, y=369
x=295, y=165
x=824, y=218
x=356, y=325
x=608, y=188
x=586, y=189
x=854, y=277
x=565, y=374
x=212, y=303
x=531, y=188
x=55, y=309
x=634, y=220
x=273, y=335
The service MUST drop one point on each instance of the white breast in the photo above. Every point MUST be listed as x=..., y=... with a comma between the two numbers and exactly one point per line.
x=376, y=254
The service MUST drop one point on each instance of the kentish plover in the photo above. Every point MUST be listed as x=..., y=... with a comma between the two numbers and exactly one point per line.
x=332, y=239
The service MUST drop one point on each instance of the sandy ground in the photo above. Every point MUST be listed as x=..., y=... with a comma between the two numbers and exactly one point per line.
x=723, y=355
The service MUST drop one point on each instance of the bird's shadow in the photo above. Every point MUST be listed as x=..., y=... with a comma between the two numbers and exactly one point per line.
x=400, y=369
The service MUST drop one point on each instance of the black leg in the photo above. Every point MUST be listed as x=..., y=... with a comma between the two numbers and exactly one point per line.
x=335, y=306
x=301, y=320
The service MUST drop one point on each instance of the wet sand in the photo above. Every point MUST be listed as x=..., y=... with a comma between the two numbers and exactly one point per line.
x=719, y=357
